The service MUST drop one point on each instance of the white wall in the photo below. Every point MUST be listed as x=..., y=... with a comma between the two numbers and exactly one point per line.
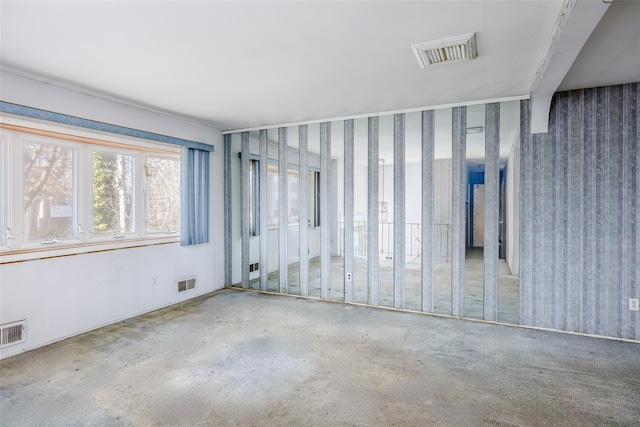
x=62, y=297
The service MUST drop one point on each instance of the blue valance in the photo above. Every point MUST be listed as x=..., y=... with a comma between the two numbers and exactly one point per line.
x=7, y=107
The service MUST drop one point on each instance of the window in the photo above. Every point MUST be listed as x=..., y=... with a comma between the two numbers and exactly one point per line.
x=49, y=193
x=294, y=191
x=293, y=215
x=113, y=202
x=60, y=188
x=293, y=177
x=162, y=200
x=272, y=195
x=4, y=232
x=254, y=197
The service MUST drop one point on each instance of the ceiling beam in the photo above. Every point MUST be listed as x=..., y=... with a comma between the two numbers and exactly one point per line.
x=575, y=25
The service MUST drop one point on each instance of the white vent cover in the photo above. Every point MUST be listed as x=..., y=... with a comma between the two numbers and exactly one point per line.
x=185, y=285
x=458, y=48
x=13, y=333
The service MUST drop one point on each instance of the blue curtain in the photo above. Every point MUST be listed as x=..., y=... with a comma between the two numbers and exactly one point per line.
x=194, y=197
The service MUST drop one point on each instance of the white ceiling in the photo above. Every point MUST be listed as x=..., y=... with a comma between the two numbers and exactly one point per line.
x=245, y=64
x=611, y=55
x=475, y=144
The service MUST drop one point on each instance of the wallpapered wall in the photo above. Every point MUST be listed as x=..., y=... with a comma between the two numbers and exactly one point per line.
x=580, y=222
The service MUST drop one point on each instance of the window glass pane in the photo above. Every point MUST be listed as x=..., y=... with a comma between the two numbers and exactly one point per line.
x=113, y=209
x=3, y=193
x=272, y=190
x=294, y=189
x=163, y=194
x=49, y=205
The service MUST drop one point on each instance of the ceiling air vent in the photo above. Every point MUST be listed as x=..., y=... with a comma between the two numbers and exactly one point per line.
x=458, y=48
x=475, y=130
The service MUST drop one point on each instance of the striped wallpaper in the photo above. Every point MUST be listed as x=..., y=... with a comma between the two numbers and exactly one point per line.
x=579, y=238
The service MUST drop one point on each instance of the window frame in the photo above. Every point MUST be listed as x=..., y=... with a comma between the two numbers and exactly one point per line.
x=15, y=131
x=254, y=197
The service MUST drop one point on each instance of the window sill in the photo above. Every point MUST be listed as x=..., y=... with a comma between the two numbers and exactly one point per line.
x=61, y=250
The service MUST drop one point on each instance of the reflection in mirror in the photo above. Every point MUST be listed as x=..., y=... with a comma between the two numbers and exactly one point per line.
x=254, y=210
x=336, y=210
x=442, y=214
x=385, y=211
x=236, y=238
x=293, y=214
x=475, y=212
x=361, y=229
x=508, y=308
x=413, y=210
x=348, y=245
x=273, y=214
x=360, y=209
x=262, y=214
x=313, y=206
x=491, y=283
x=303, y=205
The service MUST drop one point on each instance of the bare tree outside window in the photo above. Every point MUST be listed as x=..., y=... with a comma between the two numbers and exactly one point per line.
x=48, y=191
x=163, y=194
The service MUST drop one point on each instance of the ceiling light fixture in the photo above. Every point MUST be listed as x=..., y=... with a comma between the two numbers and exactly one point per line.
x=450, y=49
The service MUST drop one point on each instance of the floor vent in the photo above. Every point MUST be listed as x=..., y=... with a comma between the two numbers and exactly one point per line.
x=13, y=333
x=253, y=267
x=458, y=48
x=185, y=285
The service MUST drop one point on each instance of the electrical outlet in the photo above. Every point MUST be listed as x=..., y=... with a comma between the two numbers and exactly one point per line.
x=155, y=281
x=633, y=304
x=348, y=277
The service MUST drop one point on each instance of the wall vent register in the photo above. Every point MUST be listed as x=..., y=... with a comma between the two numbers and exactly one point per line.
x=13, y=333
x=185, y=285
